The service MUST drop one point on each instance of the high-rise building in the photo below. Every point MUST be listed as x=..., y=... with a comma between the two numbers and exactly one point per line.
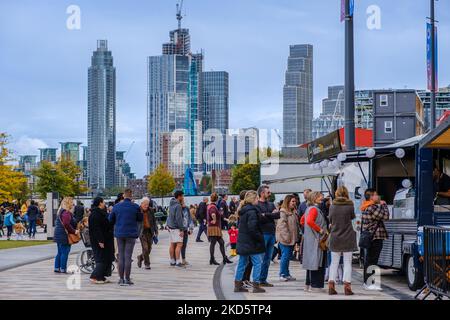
x=27, y=163
x=332, y=116
x=47, y=154
x=334, y=103
x=215, y=100
x=70, y=151
x=175, y=101
x=101, y=118
x=298, y=96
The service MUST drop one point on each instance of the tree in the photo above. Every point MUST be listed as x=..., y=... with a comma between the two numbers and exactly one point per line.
x=62, y=177
x=11, y=181
x=161, y=182
x=205, y=184
x=245, y=177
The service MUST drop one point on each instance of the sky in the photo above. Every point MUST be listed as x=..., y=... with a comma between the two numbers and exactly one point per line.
x=43, y=64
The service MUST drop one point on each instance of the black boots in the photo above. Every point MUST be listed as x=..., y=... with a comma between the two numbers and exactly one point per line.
x=213, y=261
x=226, y=260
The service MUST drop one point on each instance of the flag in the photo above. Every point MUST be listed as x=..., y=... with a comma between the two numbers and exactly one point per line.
x=429, y=52
x=351, y=9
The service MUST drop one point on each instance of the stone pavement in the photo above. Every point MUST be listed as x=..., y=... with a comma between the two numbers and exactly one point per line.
x=197, y=281
x=37, y=281
x=394, y=287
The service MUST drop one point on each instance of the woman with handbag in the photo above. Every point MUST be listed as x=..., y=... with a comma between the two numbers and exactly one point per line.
x=214, y=231
x=314, y=239
x=65, y=234
x=342, y=239
x=287, y=232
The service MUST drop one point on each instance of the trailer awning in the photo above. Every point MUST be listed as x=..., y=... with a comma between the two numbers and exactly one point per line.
x=439, y=137
x=300, y=178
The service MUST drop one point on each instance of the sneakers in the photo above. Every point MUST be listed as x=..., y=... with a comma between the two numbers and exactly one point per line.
x=129, y=282
x=147, y=268
x=284, y=279
x=185, y=263
x=180, y=266
x=291, y=278
x=247, y=284
x=266, y=284
x=371, y=287
x=317, y=290
x=122, y=283
x=307, y=289
x=173, y=264
x=198, y=240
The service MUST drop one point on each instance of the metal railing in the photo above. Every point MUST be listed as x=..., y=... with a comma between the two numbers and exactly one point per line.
x=436, y=262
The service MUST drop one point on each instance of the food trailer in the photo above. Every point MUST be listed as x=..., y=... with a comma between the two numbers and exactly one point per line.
x=402, y=173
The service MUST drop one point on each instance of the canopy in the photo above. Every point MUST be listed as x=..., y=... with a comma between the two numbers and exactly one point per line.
x=439, y=137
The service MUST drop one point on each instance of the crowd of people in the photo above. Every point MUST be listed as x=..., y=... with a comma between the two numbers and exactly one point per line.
x=21, y=220
x=317, y=232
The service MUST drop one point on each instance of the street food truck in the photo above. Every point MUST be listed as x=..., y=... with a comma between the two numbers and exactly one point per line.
x=402, y=173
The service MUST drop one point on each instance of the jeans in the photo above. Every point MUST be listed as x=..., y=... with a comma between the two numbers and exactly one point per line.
x=334, y=265
x=9, y=231
x=125, y=246
x=256, y=260
x=371, y=256
x=286, y=253
x=269, y=241
x=32, y=228
x=61, y=257
x=201, y=229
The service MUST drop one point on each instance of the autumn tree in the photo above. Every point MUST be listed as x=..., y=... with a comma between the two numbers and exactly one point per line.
x=62, y=177
x=11, y=181
x=245, y=177
x=161, y=182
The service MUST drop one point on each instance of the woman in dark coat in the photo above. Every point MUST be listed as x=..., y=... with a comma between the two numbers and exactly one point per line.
x=102, y=241
x=250, y=243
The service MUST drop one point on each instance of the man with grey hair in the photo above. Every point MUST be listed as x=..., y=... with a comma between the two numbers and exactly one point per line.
x=200, y=215
x=148, y=231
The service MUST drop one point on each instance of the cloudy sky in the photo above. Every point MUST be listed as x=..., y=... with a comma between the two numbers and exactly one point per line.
x=43, y=65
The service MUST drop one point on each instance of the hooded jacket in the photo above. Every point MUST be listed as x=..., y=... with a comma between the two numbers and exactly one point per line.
x=251, y=239
x=175, y=219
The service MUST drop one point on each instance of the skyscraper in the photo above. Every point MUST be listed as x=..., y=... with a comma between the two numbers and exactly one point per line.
x=298, y=96
x=101, y=118
x=334, y=103
x=214, y=113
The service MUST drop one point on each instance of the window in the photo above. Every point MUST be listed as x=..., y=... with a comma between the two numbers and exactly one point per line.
x=383, y=100
x=388, y=127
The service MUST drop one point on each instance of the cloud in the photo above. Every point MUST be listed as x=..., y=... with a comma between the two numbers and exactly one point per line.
x=27, y=146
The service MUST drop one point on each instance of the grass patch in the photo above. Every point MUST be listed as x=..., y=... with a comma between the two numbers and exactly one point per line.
x=4, y=244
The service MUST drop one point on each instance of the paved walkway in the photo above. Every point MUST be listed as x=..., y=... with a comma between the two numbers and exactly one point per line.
x=197, y=281
x=394, y=287
x=37, y=281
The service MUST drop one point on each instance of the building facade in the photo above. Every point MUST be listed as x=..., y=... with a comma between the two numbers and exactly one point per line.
x=298, y=96
x=48, y=154
x=101, y=119
x=333, y=105
x=70, y=151
x=442, y=102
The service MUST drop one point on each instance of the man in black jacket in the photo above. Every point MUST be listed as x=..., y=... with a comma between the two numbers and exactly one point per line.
x=78, y=212
x=201, y=218
x=268, y=216
x=33, y=213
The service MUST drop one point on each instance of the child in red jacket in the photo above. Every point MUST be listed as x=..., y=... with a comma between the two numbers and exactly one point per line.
x=233, y=233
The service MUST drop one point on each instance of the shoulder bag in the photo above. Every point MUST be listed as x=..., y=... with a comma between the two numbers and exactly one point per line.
x=72, y=238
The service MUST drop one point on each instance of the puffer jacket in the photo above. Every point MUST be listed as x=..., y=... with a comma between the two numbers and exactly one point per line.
x=250, y=239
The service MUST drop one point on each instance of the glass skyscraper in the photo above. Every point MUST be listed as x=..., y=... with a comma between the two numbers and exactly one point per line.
x=101, y=118
x=298, y=96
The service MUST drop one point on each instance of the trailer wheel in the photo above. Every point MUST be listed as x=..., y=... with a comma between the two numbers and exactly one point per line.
x=413, y=275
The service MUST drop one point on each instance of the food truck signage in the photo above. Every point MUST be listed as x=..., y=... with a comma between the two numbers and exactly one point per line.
x=324, y=147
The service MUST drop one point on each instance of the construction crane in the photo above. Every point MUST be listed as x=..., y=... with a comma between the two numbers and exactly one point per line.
x=131, y=146
x=179, y=16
